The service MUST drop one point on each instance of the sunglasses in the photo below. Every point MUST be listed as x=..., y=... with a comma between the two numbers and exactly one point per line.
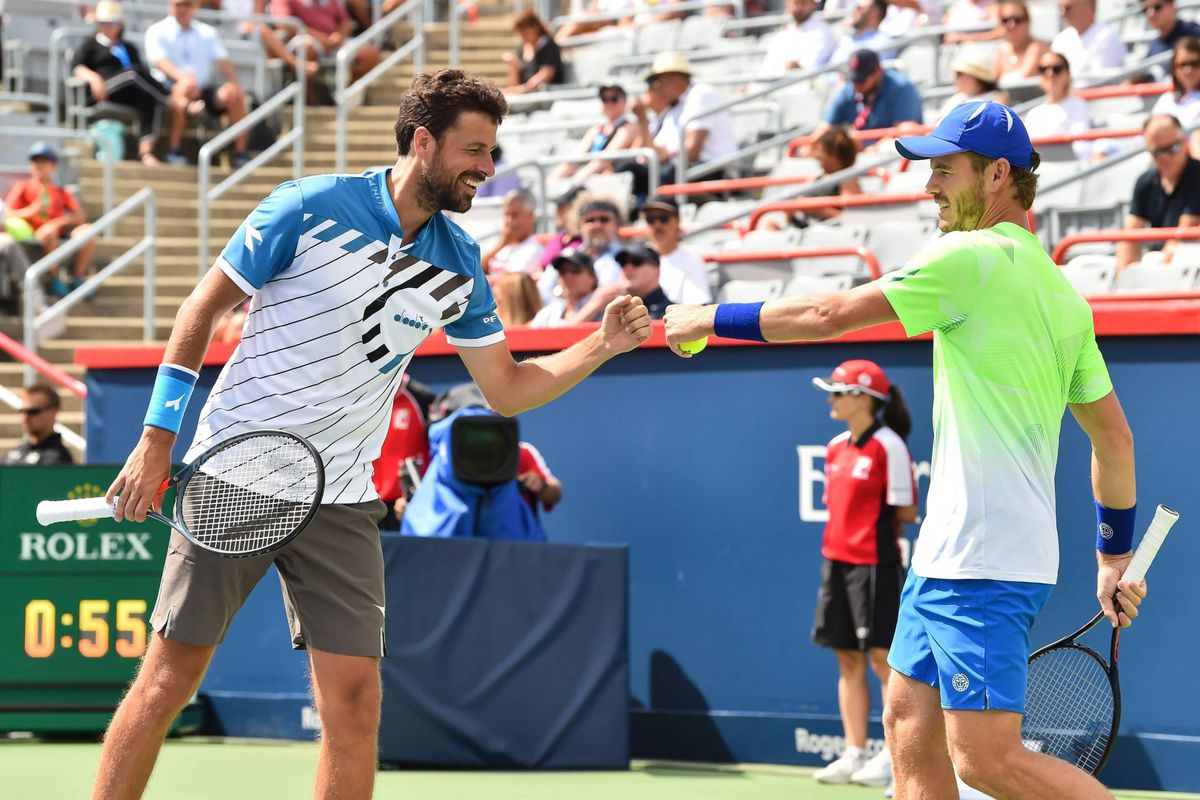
x=604, y=219
x=1187, y=65
x=610, y=98
x=1053, y=69
x=844, y=392
x=1168, y=150
x=566, y=269
x=657, y=219
x=636, y=262
x=1014, y=20
x=32, y=412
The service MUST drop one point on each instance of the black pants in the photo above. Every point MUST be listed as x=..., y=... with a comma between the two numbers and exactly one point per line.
x=141, y=93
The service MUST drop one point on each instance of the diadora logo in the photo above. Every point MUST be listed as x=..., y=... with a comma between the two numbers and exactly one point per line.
x=960, y=682
x=491, y=319
x=415, y=321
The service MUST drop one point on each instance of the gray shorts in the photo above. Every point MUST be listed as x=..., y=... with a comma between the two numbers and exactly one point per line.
x=331, y=576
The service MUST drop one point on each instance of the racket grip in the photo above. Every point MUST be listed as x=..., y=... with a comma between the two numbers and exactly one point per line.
x=52, y=511
x=1160, y=526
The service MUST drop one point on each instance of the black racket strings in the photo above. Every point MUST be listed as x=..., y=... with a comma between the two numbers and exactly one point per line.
x=249, y=495
x=1069, y=707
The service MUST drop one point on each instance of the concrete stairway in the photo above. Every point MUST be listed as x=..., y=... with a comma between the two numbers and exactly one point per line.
x=114, y=316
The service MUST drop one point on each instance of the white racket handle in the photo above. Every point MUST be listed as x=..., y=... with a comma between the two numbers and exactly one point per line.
x=52, y=511
x=1160, y=526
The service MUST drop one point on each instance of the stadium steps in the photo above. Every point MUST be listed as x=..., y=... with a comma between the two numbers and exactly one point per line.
x=114, y=317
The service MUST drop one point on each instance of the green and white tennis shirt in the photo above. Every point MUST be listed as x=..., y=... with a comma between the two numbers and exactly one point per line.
x=1013, y=343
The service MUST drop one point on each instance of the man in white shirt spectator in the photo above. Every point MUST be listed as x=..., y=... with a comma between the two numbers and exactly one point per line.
x=865, y=19
x=683, y=275
x=183, y=53
x=1088, y=45
x=711, y=137
x=517, y=250
x=805, y=43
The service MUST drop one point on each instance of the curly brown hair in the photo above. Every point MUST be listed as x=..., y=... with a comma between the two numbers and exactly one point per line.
x=434, y=102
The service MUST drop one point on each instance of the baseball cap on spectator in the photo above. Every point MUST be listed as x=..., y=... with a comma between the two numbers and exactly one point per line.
x=656, y=203
x=43, y=150
x=108, y=11
x=667, y=62
x=599, y=204
x=638, y=254
x=991, y=129
x=863, y=64
x=611, y=87
x=857, y=375
x=574, y=257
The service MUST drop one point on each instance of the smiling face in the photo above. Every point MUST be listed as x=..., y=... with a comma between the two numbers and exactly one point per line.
x=959, y=192
x=452, y=170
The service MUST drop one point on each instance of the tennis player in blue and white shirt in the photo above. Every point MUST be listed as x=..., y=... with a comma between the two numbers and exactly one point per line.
x=347, y=275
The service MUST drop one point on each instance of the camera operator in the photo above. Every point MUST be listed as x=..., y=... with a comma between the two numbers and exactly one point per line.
x=482, y=481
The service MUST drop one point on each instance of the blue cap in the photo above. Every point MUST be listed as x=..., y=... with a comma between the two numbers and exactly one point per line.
x=991, y=129
x=43, y=150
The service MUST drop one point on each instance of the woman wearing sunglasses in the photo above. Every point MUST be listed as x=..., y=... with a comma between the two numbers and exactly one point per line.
x=1183, y=101
x=871, y=493
x=1017, y=56
x=1062, y=112
x=615, y=133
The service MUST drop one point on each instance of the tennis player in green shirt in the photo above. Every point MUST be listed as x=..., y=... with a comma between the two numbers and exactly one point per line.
x=1013, y=345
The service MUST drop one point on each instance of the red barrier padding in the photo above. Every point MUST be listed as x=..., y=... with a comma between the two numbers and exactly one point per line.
x=736, y=256
x=1131, y=235
x=41, y=365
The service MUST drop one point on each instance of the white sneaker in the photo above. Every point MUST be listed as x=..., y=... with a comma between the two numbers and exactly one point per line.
x=967, y=793
x=890, y=791
x=839, y=770
x=876, y=772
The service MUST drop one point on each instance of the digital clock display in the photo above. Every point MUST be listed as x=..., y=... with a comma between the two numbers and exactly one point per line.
x=75, y=598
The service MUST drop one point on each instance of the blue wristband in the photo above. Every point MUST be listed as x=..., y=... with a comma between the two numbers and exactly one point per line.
x=1114, y=529
x=738, y=321
x=172, y=390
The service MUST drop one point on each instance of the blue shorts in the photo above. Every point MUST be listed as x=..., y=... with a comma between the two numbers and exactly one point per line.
x=968, y=638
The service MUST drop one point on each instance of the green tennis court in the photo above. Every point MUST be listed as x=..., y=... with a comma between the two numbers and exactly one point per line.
x=201, y=769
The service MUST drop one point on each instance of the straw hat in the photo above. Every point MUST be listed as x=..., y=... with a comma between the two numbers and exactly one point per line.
x=108, y=11
x=977, y=66
x=669, y=61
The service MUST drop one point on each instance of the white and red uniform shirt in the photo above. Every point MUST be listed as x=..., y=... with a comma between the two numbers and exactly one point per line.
x=406, y=438
x=864, y=479
x=529, y=459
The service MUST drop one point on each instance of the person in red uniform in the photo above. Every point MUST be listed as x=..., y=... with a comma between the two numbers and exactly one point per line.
x=407, y=439
x=870, y=491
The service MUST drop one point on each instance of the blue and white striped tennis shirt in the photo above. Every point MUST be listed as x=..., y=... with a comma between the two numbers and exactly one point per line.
x=337, y=309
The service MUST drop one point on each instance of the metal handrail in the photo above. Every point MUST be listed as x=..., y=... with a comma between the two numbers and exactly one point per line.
x=144, y=197
x=71, y=133
x=543, y=165
x=456, y=10
x=56, y=40
x=10, y=399
x=294, y=92
x=346, y=93
x=739, y=11
x=934, y=32
x=832, y=181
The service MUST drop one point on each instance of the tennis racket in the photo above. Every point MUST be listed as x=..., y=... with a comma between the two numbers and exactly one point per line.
x=247, y=496
x=1073, y=699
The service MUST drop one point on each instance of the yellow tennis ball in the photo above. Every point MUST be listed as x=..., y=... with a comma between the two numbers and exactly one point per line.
x=19, y=229
x=692, y=348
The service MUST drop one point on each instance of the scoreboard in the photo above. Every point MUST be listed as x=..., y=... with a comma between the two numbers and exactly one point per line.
x=75, y=602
